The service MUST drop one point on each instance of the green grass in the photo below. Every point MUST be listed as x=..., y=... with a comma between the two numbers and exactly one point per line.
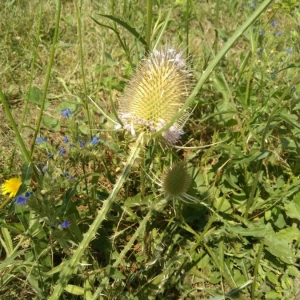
x=125, y=239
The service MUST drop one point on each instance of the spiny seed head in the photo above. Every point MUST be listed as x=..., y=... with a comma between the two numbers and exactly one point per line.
x=176, y=181
x=155, y=93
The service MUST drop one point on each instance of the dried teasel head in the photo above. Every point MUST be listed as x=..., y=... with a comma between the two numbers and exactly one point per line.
x=155, y=93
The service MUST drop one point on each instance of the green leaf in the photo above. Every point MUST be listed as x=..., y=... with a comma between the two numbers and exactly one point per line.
x=127, y=27
x=67, y=105
x=34, y=95
x=273, y=278
x=26, y=170
x=292, y=209
x=51, y=123
x=280, y=248
x=83, y=129
x=115, y=273
x=289, y=234
x=74, y=290
x=273, y=295
x=223, y=205
x=254, y=231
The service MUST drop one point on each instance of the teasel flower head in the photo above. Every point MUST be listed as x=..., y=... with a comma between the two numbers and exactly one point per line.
x=176, y=181
x=155, y=93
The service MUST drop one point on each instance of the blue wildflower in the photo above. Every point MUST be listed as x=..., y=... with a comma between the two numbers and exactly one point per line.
x=65, y=224
x=94, y=141
x=65, y=174
x=40, y=140
x=28, y=194
x=61, y=151
x=66, y=113
x=65, y=139
x=279, y=33
x=252, y=4
x=262, y=32
x=71, y=177
x=21, y=200
x=288, y=51
x=82, y=144
x=40, y=167
x=273, y=23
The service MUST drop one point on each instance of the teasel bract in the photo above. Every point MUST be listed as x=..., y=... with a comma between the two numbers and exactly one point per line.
x=155, y=93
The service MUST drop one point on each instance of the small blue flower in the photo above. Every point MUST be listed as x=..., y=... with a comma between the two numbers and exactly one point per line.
x=273, y=23
x=66, y=174
x=28, y=194
x=61, y=151
x=65, y=224
x=71, y=177
x=82, y=144
x=66, y=113
x=94, y=141
x=252, y=4
x=40, y=167
x=279, y=33
x=21, y=200
x=262, y=32
x=40, y=140
x=288, y=51
x=65, y=139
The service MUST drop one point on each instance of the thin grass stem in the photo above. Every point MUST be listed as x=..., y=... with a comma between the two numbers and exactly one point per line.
x=79, y=32
x=149, y=24
x=48, y=74
x=256, y=267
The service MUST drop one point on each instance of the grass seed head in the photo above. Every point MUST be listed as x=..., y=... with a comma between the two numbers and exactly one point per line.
x=155, y=93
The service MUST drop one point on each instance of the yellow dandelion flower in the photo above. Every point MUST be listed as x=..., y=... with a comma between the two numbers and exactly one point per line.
x=11, y=186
